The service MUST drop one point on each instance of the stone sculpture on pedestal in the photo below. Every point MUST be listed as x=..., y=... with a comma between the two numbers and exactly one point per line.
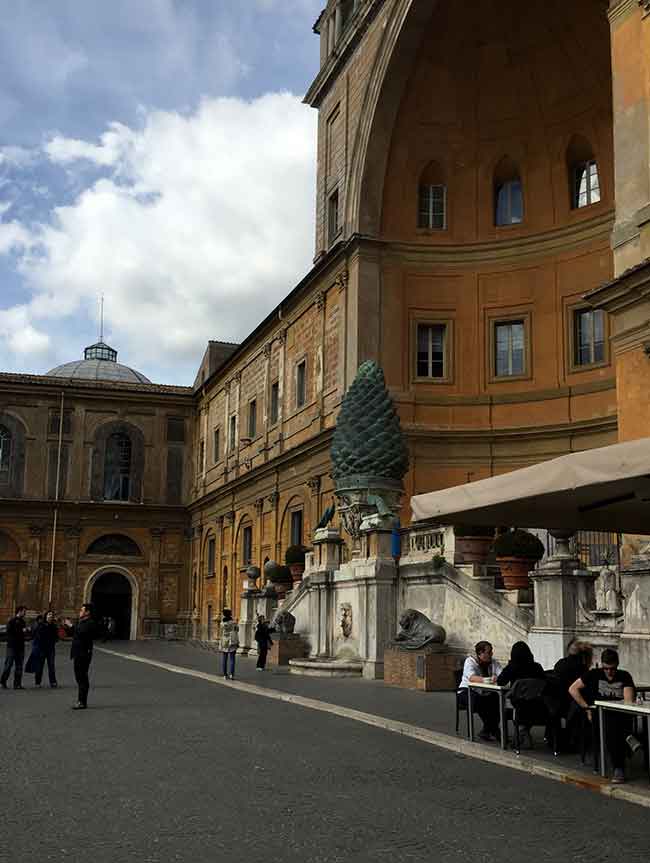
x=416, y=631
x=608, y=597
x=369, y=456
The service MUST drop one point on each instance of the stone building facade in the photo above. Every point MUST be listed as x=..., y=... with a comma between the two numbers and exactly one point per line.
x=476, y=187
x=120, y=449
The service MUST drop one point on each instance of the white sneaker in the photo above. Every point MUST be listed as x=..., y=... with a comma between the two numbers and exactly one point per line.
x=259, y=669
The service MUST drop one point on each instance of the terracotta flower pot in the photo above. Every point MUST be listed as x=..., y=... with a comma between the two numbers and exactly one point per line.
x=514, y=571
x=472, y=549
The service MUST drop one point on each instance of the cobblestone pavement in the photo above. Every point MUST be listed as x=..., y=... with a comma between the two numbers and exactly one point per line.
x=164, y=767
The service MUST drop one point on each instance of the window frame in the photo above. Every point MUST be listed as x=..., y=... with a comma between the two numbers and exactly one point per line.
x=430, y=228
x=425, y=319
x=497, y=188
x=572, y=311
x=216, y=445
x=494, y=319
x=211, y=557
x=8, y=448
x=251, y=425
x=125, y=478
x=247, y=531
x=200, y=466
x=575, y=184
x=300, y=405
x=274, y=403
x=232, y=433
x=333, y=231
x=298, y=511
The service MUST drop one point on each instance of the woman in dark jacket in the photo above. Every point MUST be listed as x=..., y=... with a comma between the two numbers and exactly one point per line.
x=522, y=666
x=46, y=636
x=263, y=639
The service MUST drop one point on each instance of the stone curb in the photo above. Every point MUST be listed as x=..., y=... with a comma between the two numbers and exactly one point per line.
x=457, y=745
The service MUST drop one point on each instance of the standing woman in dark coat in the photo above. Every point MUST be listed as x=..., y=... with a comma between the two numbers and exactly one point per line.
x=84, y=632
x=45, y=639
x=263, y=639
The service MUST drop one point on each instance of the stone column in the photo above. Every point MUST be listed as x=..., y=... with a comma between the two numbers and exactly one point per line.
x=30, y=593
x=152, y=599
x=563, y=591
x=282, y=384
x=634, y=641
x=68, y=599
x=248, y=611
x=323, y=562
x=630, y=39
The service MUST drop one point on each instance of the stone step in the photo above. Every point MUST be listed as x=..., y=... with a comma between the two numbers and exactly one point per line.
x=326, y=667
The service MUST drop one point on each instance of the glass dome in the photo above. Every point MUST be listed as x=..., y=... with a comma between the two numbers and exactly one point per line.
x=99, y=364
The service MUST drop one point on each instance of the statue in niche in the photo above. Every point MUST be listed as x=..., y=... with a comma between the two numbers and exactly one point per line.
x=608, y=597
x=284, y=623
x=417, y=631
x=346, y=619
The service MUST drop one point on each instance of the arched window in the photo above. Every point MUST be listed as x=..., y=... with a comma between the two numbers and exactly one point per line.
x=114, y=544
x=5, y=455
x=117, y=467
x=583, y=173
x=432, y=198
x=508, y=194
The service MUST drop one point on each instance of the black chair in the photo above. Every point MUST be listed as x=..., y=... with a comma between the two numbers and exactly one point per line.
x=527, y=699
x=460, y=707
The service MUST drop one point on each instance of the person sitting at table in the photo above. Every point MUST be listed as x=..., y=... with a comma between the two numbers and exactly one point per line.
x=579, y=659
x=522, y=666
x=482, y=668
x=607, y=683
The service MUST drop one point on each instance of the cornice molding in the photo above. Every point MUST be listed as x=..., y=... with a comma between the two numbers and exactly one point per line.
x=621, y=9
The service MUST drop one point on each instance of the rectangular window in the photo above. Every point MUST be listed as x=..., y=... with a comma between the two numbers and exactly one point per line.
x=333, y=216
x=216, y=445
x=432, y=344
x=175, y=430
x=586, y=184
x=275, y=402
x=589, y=336
x=53, y=427
x=432, y=207
x=212, y=545
x=252, y=419
x=301, y=384
x=509, y=349
x=247, y=546
x=201, y=464
x=296, y=527
x=232, y=433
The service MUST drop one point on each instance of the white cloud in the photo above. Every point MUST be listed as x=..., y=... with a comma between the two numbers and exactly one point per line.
x=204, y=224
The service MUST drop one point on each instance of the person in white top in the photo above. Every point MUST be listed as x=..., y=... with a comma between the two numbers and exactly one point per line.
x=482, y=668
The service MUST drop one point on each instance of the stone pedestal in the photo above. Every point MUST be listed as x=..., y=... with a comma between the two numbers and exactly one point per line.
x=430, y=669
x=634, y=644
x=563, y=593
x=286, y=647
x=248, y=621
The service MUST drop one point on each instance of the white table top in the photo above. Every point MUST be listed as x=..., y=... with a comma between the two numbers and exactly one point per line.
x=639, y=709
x=493, y=687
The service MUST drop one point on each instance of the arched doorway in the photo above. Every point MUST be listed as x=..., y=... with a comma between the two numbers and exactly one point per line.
x=112, y=596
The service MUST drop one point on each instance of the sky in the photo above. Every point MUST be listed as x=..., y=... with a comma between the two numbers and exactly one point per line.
x=156, y=152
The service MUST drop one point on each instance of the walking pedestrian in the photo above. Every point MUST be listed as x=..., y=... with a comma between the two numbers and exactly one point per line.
x=264, y=641
x=45, y=639
x=15, y=655
x=229, y=644
x=84, y=633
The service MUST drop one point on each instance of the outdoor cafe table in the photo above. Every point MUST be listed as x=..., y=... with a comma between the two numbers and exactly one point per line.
x=501, y=691
x=642, y=710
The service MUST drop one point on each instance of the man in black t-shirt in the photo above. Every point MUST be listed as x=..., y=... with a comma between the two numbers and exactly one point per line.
x=608, y=683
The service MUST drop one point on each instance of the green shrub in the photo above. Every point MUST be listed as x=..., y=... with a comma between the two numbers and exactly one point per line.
x=295, y=554
x=519, y=543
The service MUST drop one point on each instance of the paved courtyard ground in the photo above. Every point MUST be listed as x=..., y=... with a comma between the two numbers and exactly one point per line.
x=169, y=767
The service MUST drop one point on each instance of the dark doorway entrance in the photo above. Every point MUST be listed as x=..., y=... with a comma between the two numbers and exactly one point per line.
x=111, y=596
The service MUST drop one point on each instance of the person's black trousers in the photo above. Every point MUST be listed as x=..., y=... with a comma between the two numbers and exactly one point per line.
x=487, y=707
x=15, y=658
x=262, y=652
x=617, y=728
x=51, y=670
x=81, y=664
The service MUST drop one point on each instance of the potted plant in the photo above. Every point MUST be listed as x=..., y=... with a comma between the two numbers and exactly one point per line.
x=295, y=559
x=472, y=543
x=516, y=551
